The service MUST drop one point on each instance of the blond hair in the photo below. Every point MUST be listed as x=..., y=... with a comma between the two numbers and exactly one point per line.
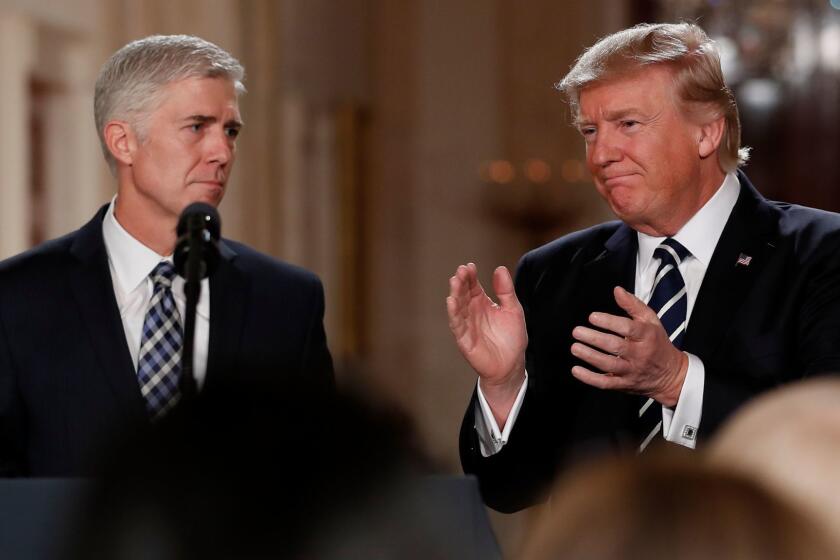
x=695, y=64
x=670, y=505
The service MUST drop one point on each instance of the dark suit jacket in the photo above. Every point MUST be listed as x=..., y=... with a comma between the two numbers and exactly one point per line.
x=67, y=381
x=754, y=327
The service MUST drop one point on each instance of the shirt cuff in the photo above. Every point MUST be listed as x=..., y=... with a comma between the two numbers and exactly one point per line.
x=680, y=424
x=490, y=438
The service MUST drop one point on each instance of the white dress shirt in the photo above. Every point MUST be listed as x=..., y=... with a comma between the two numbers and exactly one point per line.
x=130, y=263
x=700, y=236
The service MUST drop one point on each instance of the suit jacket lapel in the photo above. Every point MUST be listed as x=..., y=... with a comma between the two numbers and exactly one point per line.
x=607, y=412
x=229, y=289
x=616, y=263
x=748, y=237
x=92, y=287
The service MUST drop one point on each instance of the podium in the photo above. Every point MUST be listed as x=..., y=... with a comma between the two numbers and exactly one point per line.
x=38, y=516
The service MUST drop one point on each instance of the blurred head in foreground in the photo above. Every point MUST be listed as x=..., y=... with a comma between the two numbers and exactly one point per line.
x=789, y=439
x=247, y=473
x=669, y=506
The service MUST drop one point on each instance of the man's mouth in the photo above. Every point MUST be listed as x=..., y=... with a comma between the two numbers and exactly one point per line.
x=614, y=178
x=211, y=182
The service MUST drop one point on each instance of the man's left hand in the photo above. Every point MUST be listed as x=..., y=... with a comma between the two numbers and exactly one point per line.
x=635, y=354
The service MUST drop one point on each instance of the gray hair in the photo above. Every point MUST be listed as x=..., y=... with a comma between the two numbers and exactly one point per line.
x=130, y=82
x=694, y=60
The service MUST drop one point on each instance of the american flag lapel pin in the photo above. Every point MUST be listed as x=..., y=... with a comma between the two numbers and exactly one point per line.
x=743, y=260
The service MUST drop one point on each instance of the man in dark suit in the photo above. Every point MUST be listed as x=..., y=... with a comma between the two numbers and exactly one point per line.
x=701, y=296
x=90, y=324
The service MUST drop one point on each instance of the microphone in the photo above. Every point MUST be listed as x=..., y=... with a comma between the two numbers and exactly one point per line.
x=198, y=241
x=196, y=257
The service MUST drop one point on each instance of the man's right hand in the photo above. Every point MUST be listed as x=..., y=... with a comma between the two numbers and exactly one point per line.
x=492, y=337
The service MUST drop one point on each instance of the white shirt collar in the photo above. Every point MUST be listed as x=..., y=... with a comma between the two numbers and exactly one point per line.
x=701, y=233
x=132, y=261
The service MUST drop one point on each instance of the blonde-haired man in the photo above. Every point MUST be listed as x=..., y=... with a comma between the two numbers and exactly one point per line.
x=659, y=325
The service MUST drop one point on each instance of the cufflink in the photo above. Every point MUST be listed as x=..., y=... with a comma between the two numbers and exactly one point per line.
x=689, y=432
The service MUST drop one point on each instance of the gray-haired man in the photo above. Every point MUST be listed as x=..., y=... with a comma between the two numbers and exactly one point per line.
x=91, y=323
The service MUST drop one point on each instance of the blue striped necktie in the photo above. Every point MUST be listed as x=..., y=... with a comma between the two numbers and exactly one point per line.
x=668, y=299
x=159, y=365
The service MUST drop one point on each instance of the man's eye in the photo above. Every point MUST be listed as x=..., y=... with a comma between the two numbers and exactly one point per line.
x=196, y=127
x=629, y=123
x=232, y=132
x=588, y=133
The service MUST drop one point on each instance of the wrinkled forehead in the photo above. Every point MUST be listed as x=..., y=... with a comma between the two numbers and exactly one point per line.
x=198, y=95
x=650, y=84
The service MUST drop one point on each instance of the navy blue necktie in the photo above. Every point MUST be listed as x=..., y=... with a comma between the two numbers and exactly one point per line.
x=668, y=299
x=159, y=365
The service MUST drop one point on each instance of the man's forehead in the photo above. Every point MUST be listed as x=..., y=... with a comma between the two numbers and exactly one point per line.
x=200, y=95
x=627, y=91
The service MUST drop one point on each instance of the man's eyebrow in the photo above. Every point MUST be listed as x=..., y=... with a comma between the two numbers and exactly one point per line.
x=232, y=123
x=611, y=116
x=622, y=113
x=200, y=118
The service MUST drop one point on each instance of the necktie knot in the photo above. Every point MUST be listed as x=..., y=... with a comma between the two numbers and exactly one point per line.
x=671, y=251
x=163, y=274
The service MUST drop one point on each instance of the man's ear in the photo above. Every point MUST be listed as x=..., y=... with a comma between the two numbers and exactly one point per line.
x=121, y=141
x=711, y=134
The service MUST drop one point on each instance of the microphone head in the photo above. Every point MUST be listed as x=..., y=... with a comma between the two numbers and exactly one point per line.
x=198, y=230
x=208, y=216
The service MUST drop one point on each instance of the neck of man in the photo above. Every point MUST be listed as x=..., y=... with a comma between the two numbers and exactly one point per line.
x=154, y=229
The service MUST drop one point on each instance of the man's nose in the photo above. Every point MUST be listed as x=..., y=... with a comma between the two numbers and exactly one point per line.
x=605, y=149
x=219, y=148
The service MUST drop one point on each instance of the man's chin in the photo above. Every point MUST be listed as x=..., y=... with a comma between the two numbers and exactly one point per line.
x=208, y=193
x=625, y=211
x=622, y=207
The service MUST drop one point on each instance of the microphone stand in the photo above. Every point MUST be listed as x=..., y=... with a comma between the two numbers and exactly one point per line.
x=192, y=291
